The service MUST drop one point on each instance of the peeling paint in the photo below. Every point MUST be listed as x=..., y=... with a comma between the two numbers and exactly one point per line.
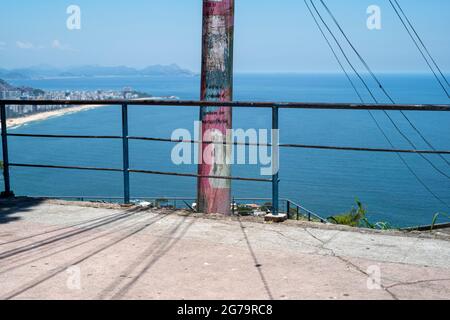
x=214, y=195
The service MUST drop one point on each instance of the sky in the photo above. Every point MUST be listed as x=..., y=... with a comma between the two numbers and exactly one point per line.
x=270, y=35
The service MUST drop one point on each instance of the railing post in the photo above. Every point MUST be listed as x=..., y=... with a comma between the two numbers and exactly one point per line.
x=126, y=159
x=288, y=208
x=6, y=178
x=298, y=213
x=232, y=207
x=275, y=165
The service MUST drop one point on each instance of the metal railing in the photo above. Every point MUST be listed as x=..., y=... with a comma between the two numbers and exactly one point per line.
x=126, y=170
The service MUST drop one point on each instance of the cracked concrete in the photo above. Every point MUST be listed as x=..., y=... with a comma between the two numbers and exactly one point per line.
x=58, y=250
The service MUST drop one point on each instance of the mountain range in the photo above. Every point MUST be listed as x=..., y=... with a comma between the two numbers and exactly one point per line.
x=5, y=86
x=47, y=71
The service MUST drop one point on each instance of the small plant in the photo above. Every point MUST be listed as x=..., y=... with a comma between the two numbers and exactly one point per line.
x=357, y=218
x=383, y=226
x=243, y=210
x=352, y=218
x=293, y=213
x=436, y=216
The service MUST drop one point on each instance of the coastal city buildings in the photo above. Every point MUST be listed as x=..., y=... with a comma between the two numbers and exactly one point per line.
x=8, y=92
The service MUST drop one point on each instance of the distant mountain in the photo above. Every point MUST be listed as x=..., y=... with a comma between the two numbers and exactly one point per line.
x=5, y=86
x=11, y=75
x=170, y=70
x=46, y=71
x=99, y=71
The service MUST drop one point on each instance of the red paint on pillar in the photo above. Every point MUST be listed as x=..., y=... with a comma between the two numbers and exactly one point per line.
x=214, y=195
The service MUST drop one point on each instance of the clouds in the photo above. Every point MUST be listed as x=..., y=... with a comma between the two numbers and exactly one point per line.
x=54, y=45
x=24, y=45
x=57, y=45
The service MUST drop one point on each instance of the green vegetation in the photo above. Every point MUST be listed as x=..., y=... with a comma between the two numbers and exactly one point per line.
x=292, y=213
x=436, y=216
x=243, y=210
x=266, y=207
x=357, y=218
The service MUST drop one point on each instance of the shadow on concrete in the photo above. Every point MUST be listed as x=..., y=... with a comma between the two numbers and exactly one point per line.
x=257, y=264
x=80, y=228
x=62, y=247
x=52, y=273
x=157, y=250
x=10, y=207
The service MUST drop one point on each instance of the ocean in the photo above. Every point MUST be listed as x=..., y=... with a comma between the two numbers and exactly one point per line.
x=326, y=182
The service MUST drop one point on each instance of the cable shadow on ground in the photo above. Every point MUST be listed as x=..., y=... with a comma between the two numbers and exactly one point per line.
x=78, y=260
x=118, y=224
x=257, y=264
x=63, y=236
x=157, y=250
x=78, y=224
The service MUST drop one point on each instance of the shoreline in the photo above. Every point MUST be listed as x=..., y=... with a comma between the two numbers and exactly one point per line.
x=13, y=123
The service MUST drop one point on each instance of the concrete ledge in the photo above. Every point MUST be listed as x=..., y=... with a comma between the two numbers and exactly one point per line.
x=275, y=218
x=20, y=201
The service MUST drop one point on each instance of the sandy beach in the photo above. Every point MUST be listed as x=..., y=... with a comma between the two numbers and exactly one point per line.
x=17, y=122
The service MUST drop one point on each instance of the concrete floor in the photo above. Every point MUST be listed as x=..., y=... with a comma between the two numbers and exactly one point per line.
x=55, y=250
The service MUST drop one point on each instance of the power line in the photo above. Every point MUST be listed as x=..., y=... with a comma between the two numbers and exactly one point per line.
x=407, y=165
x=414, y=146
x=357, y=53
x=423, y=44
x=334, y=52
x=343, y=52
x=354, y=87
x=423, y=138
x=387, y=95
x=426, y=60
x=420, y=50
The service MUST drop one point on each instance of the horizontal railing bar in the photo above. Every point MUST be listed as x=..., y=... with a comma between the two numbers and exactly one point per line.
x=64, y=167
x=113, y=198
x=57, y=136
x=197, y=175
x=137, y=171
x=153, y=197
x=237, y=104
x=302, y=146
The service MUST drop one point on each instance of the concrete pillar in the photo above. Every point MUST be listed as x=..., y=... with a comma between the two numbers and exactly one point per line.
x=214, y=195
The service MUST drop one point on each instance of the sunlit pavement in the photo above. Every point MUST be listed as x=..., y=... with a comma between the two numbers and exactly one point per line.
x=56, y=250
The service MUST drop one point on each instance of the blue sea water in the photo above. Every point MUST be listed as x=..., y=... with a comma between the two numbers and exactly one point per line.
x=327, y=182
